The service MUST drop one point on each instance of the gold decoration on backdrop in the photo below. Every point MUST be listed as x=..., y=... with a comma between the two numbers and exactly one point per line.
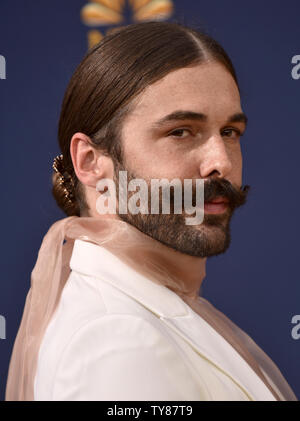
x=116, y=5
x=137, y=4
x=152, y=10
x=96, y=14
x=110, y=12
x=94, y=37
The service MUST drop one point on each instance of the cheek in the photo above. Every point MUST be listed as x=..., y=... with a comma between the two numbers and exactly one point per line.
x=237, y=166
x=164, y=163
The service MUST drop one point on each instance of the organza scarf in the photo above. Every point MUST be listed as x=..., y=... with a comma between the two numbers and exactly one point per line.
x=141, y=252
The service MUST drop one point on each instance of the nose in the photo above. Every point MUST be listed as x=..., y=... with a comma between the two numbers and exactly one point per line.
x=214, y=159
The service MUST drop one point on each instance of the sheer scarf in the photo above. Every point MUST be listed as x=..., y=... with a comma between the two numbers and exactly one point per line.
x=141, y=252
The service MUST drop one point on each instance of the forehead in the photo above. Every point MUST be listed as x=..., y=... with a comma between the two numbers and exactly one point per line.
x=208, y=88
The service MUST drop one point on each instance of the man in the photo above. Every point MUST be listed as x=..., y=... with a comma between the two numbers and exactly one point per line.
x=130, y=324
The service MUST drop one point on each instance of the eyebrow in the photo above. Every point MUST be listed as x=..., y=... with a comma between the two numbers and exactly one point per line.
x=191, y=115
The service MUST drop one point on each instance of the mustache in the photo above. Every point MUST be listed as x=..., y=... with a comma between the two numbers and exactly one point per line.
x=222, y=187
x=218, y=188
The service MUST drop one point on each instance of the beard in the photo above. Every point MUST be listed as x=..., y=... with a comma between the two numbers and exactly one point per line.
x=210, y=238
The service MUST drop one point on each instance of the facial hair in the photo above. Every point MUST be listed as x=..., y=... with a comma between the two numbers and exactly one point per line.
x=210, y=238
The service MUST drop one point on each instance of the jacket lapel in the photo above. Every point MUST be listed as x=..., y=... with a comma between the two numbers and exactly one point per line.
x=206, y=342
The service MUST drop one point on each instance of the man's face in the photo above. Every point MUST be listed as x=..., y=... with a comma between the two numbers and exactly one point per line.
x=187, y=148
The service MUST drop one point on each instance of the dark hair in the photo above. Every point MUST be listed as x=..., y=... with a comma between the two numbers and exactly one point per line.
x=101, y=91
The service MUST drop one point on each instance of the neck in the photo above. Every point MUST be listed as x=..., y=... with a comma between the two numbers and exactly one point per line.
x=178, y=271
x=186, y=272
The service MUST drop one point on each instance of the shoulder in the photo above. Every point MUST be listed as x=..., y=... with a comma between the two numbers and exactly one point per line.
x=85, y=302
x=95, y=334
x=117, y=357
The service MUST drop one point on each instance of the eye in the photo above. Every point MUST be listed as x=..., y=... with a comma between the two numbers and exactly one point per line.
x=175, y=133
x=236, y=133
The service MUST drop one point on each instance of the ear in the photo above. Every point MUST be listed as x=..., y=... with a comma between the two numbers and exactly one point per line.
x=90, y=164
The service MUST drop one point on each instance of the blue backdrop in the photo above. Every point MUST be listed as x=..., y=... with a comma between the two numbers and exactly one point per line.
x=256, y=283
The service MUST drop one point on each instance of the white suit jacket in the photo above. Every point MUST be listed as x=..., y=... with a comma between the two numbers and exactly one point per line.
x=116, y=336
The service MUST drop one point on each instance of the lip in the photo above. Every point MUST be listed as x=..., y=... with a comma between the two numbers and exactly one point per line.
x=216, y=206
x=218, y=200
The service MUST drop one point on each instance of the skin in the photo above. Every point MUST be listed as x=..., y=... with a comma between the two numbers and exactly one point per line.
x=209, y=89
x=197, y=149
